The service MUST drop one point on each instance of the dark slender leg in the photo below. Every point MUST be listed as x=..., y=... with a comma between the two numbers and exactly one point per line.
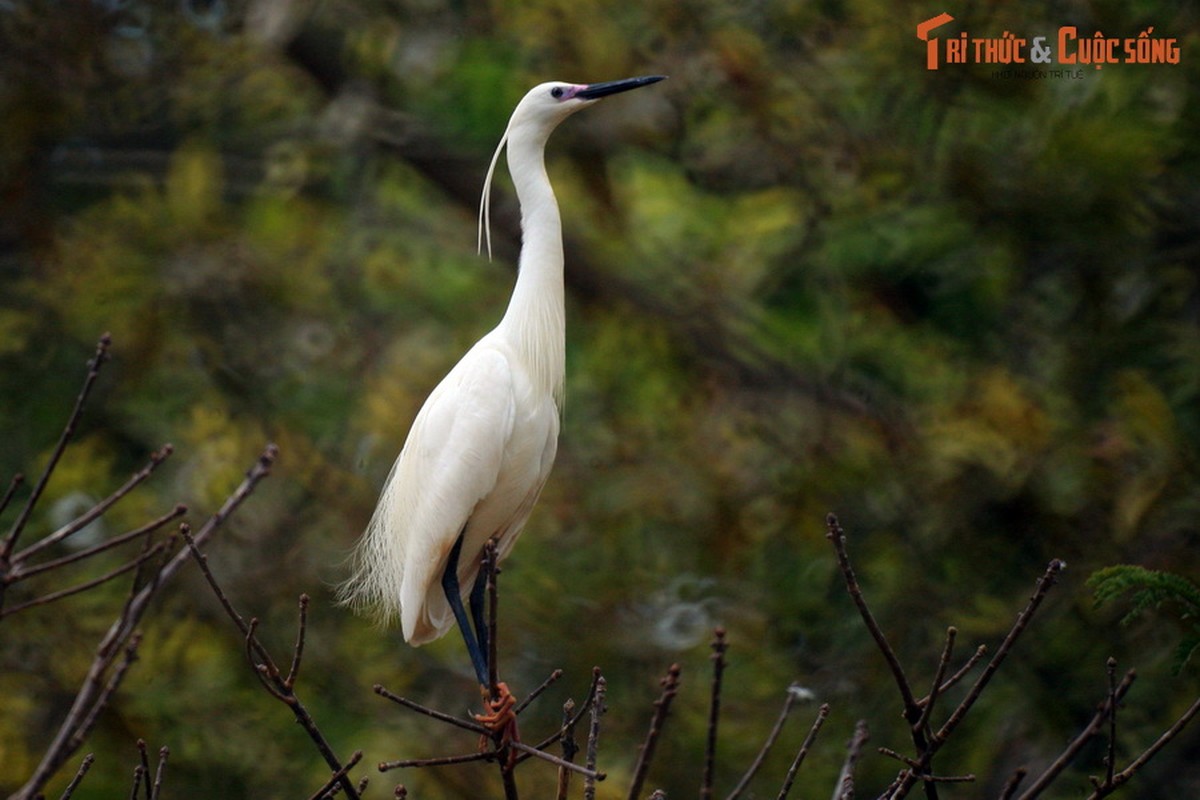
x=454, y=597
x=478, y=592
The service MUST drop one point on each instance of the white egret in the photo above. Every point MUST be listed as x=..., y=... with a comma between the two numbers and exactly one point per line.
x=481, y=447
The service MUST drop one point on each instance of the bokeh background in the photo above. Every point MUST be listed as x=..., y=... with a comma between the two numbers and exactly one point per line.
x=805, y=274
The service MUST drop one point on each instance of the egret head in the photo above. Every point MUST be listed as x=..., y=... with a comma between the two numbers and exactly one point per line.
x=537, y=115
x=548, y=104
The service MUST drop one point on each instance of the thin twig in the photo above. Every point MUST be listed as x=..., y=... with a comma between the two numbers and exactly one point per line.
x=98, y=509
x=569, y=748
x=298, y=650
x=106, y=692
x=662, y=707
x=145, y=759
x=714, y=714
x=1068, y=755
x=138, y=772
x=1043, y=587
x=267, y=673
x=46, y=599
x=587, y=772
x=491, y=755
x=837, y=536
x=1124, y=775
x=919, y=771
x=1013, y=783
x=593, y=741
x=1111, y=758
x=923, y=767
x=440, y=761
x=936, y=687
x=788, y=701
x=579, y=712
x=335, y=780
x=822, y=715
x=256, y=654
x=83, y=770
x=22, y=573
x=844, y=789
x=160, y=770
x=201, y=560
x=101, y=356
x=903, y=759
x=13, y=485
x=953, y=680
x=465, y=724
x=546, y=684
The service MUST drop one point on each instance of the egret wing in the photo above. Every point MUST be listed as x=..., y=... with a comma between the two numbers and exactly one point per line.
x=450, y=461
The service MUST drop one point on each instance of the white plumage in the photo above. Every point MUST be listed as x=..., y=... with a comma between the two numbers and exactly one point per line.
x=481, y=447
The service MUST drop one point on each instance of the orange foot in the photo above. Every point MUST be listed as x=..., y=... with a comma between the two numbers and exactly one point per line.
x=500, y=720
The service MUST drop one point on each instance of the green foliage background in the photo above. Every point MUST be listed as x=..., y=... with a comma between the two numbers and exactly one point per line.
x=804, y=274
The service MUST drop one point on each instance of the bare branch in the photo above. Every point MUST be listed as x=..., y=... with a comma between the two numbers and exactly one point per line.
x=714, y=714
x=662, y=707
x=86, y=585
x=835, y=535
x=99, y=698
x=163, y=753
x=788, y=701
x=953, y=680
x=441, y=761
x=98, y=509
x=593, y=742
x=546, y=684
x=83, y=770
x=266, y=672
x=579, y=712
x=1124, y=775
x=138, y=772
x=298, y=650
x=22, y=573
x=13, y=485
x=935, y=689
x=1068, y=755
x=1111, y=758
x=102, y=680
x=97, y=361
x=1043, y=587
x=465, y=724
x=335, y=780
x=145, y=765
x=569, y=748
x=1013, y=782
x=844, y=789
x=587, y=772
x=264, y=666
x=822, y=715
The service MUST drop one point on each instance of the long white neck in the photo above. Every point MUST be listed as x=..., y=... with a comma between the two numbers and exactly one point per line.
x=535, y=322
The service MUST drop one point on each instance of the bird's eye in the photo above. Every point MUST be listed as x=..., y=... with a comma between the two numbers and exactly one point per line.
x=556, y=92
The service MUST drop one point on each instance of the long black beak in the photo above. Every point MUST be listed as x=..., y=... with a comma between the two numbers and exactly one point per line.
x=595, y=91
